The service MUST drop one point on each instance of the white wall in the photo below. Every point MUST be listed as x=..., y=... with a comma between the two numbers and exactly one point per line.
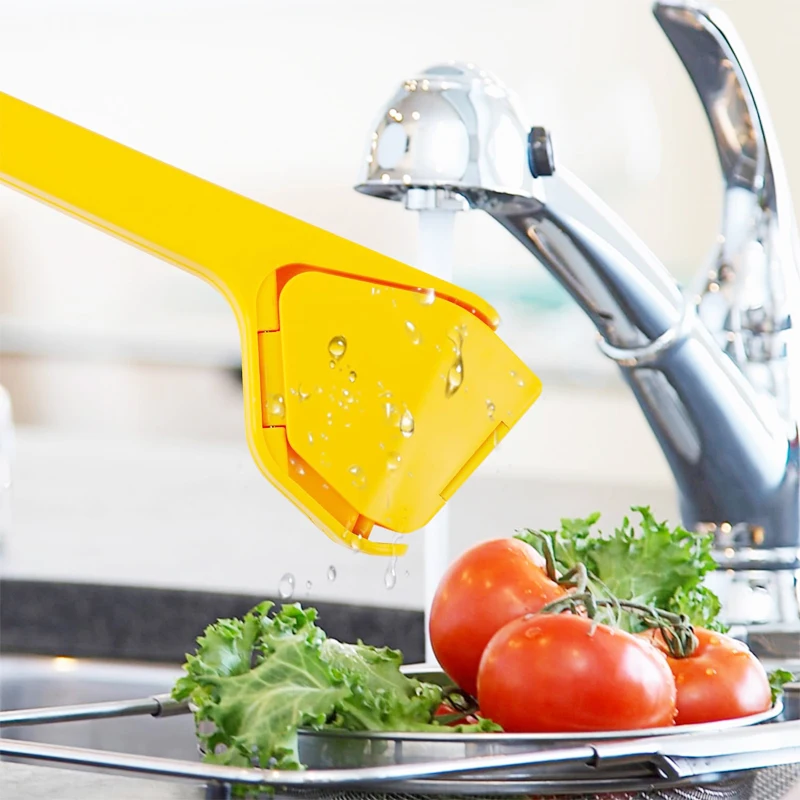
x=132, y=436
x=275, y=99
x=197, y=514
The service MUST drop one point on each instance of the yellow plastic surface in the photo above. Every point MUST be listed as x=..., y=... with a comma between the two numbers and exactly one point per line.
x=293, y=288
x=411, y=390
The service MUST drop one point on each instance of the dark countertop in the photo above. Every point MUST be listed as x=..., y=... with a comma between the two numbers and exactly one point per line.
x=161, y=625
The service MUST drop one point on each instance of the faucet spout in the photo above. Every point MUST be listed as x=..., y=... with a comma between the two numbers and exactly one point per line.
x=714, y=370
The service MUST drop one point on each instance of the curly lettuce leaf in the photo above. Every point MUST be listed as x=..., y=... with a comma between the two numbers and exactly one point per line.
x=250, y=715
x=777, y=679
x=254, y=682
x=651, y=563
x=381, y=698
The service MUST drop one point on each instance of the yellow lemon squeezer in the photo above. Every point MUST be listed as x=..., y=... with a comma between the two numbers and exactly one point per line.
x=372, y=390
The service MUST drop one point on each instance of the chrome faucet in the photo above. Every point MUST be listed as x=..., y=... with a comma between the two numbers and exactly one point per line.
x=713, y=367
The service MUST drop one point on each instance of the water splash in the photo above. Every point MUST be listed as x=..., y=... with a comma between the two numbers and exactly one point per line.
x=393, y=461
x=490, y=409
x=331, y=573
x=352, y=376
x=427, y=297
x=286, y=586
x=308, y=587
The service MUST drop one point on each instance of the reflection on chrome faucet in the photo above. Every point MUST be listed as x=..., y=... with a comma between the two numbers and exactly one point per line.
x=713, y=369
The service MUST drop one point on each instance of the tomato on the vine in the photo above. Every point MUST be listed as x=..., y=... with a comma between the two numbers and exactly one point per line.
x=721, y=679
x=551, y=673
x=489, y=585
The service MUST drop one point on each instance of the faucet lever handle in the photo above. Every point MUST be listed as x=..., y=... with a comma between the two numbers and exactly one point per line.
x=750, y=293
x=716, y=60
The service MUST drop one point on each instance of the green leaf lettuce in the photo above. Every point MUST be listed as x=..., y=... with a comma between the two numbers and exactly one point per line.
x=254, y=682
x=652, y=564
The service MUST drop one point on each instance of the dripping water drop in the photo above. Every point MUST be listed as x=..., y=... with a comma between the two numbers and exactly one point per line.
x=286, y=586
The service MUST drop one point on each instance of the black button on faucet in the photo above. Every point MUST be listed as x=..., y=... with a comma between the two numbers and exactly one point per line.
x=540, y=153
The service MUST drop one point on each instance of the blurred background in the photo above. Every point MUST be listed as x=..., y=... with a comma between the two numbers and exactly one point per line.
x=131, y=465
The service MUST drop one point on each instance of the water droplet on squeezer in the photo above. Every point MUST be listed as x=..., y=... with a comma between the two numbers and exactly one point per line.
x=277, y=405
x=337, y=347
x=407, y=424
x=359, y=478
x=413, y=333
x=455, y=374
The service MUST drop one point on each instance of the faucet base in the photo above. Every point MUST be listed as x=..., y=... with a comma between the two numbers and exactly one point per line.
x=759, y=592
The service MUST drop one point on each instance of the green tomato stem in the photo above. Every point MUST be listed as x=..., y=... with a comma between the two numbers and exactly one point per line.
x=676, y=629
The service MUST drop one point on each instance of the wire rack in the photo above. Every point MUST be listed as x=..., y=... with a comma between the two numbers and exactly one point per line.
x=756, y=762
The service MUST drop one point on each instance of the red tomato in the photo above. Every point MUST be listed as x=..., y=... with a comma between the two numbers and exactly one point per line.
x=722, y=679
x=488, y=586
x=554, y=673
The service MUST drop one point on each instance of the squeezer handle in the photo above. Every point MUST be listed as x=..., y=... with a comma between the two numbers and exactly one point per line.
x=251, y=254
